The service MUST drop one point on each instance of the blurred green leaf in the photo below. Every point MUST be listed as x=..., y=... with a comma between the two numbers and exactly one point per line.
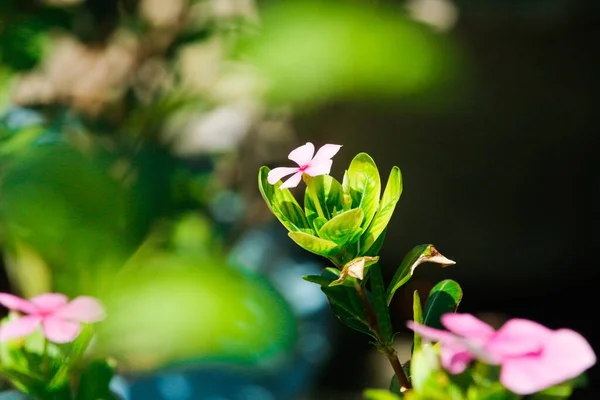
x=63, y=207
x=380, y=394
x=318, y=223
x=202, y=308
x=343, y=228
x=95, y=380
x=346, y=53
x=418, y=318
x=328, y=191
x=282, y=204
x=444, y=298
x=380, y=305
x=423, y=364
x=364, y=186
x=390, y=198
x=418, y=255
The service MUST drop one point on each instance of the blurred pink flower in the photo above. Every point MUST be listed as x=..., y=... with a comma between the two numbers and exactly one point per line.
x=320, y=164
x=532, y=357
x=60, y=319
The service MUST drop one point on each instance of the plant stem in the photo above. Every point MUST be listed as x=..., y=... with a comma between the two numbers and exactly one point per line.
x=389, y=351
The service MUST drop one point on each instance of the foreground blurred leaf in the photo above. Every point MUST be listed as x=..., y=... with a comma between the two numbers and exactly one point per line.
x=380, y=394
x=194, y=309
x=62, y=205
x=95, y=380
x=418, y=255
x=443, y=298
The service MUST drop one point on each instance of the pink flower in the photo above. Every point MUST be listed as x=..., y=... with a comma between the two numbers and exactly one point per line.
x=532, y=357
x=320, y=164
x=60, y=319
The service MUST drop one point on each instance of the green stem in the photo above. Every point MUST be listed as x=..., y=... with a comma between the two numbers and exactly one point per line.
x=389, y=351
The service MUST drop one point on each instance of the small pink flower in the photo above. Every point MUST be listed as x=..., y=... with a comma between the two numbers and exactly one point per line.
x=60, y=319
x=320, y=164
x=532, y=357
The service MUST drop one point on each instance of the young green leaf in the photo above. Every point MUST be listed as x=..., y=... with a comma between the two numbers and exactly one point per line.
x=443, y=298
x=364, y=186
x=344, y=227
x=318, y=223
x=418, y=318
x=390, y=198
x=418, y=255
x=322, y=247
x=282, y=204
x=380, y=306
x=322, y=198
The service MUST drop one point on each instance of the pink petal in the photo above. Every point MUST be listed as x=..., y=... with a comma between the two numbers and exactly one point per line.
x=566, y=355
x=292, y=182
x=467, y=326
x=277, y=173
x=518, y=337
x=59, y=330
x=326, y=152
x=19, y=327
x=16, y=303
x=49, y=302
x=429, y=333
x=455, y=358
x=303, y=154
x=319, y=168
x=82, y=309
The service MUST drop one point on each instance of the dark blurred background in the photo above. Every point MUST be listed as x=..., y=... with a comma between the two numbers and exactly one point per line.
x=499, y=161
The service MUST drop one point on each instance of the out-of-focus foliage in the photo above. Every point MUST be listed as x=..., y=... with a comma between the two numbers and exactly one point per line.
x=311, y=52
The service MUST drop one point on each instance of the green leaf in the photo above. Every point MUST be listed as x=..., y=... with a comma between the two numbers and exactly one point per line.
x=322, y=247
x=423, y=364
x=364, y=186
x=380, y=305
x=95, y=380
x=318, y=223
x=344, y=301
x=376, y=247
x=443, y=298
x=417, y=317
x=380, y=394
x=390, y=198
x=344, y=227
x=418, y=255
x=282, y=204
x=322, y=198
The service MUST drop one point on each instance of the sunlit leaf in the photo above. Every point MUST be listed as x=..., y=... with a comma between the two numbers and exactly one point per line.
x=417, y=317
x=322, y=198
x=282, y=203
x=418, y=255
x=443, y=298
x=316, y=245
x=390, y=198
x=344, y=227
x=364, y=186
